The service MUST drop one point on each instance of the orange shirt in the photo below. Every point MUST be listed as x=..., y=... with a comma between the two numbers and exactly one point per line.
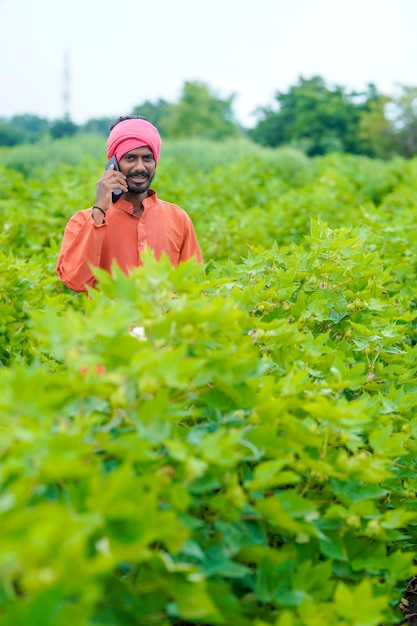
x=163, y=227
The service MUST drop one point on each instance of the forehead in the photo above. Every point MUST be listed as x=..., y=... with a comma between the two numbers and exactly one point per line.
x=141, y=151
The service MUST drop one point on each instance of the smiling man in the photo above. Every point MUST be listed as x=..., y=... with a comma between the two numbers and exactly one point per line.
x=127, y=215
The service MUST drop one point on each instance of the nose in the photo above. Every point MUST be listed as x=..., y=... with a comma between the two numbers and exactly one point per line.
x=141, y=164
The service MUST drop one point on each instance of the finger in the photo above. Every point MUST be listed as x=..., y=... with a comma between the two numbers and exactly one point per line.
x=120, y=183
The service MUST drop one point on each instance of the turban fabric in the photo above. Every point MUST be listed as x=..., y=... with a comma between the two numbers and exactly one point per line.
x=131, y=134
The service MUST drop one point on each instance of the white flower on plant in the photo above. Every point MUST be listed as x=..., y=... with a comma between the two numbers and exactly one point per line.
x=138, y=332
x=253, y=333
x=103, y=546
x=256, y=334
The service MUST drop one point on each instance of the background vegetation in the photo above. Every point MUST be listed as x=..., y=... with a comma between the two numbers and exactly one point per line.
x=312, y=116
x=235, y=445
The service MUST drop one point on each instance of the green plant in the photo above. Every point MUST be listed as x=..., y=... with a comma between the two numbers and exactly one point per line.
x=228, y=446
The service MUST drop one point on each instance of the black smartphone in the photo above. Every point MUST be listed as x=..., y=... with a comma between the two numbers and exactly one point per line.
x=117, y=192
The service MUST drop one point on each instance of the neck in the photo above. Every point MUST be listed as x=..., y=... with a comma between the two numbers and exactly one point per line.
x=136, y=200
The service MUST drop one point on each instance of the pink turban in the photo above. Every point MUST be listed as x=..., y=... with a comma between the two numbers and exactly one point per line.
x=131, y=134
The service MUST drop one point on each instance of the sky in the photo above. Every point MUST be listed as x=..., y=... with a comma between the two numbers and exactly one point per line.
x=117, y=55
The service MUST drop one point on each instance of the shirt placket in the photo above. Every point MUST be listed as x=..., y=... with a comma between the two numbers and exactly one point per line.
x=141, y=234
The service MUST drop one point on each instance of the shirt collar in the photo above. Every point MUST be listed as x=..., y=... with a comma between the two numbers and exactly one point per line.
x=126, y=206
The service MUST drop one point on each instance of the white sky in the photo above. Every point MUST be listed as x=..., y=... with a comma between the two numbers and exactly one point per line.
x=124, y=52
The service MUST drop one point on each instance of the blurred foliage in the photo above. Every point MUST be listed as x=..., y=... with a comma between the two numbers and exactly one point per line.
x=311, y=116
x=228, y=444
x=155, y=112
x=26, y=128
x=63, y=128
x=200, y=113
x=42, y=159
x=377, y=134
x=406, y=119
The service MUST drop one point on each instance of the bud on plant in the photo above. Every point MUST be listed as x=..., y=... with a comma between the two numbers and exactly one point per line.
x=118, y=399
x=373, y=527
x=188, y=330
x=353, y=521
x=148, y=384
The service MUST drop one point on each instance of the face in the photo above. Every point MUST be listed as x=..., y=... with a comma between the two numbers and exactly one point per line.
x=139, y=168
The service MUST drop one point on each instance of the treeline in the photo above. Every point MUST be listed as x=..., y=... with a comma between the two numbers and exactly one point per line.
x=312, y=116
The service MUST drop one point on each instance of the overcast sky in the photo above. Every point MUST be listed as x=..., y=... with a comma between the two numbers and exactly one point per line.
x=124, y=52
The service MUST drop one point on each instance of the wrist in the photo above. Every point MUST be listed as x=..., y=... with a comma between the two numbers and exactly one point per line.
x=98, y=208
x=98, y=215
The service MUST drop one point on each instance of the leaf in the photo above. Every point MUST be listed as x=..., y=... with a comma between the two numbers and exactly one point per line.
x=193, y=600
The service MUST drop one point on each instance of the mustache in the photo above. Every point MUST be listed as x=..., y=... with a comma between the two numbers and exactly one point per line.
x=138, y=174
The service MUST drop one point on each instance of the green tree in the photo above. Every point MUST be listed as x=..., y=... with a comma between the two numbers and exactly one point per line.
x=63, y=128
x=99, y=125
x=405, y=118
x=10, y=135
x=201, y=113
x=32, y=127
x=25, y=128
x=155, y=112
x=376, y=132
x=313, y=116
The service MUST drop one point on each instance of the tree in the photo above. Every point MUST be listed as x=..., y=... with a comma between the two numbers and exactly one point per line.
x=31, y=126
x=313, y=116
x=377, y=134
x=98, y=125
x=155, y=112
x=10, y=135
x=26, y=128
x=405, y=119
x=63, y=128
x=201, y=113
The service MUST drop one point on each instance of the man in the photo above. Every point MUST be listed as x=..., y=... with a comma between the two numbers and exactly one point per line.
x=117, y=229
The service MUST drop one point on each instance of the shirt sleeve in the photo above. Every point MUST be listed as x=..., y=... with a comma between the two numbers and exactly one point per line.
x=80, y=250
x=190, y=247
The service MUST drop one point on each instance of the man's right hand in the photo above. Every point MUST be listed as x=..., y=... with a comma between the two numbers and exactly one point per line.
x=111, y=179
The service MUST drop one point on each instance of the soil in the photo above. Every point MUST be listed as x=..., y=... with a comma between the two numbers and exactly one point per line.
x=408, y=604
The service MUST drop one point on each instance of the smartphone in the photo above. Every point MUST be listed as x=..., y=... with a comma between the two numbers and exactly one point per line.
x=117, y=192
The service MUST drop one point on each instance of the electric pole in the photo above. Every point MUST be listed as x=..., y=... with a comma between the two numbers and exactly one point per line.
x=66, y=93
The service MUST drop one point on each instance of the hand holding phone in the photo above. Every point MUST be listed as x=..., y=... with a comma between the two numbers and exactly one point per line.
x=117, y=192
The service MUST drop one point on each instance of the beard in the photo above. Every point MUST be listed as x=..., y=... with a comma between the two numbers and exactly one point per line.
x=136, y=188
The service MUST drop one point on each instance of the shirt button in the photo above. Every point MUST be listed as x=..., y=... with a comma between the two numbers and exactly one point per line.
x=140, y=223
x=142, y=243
